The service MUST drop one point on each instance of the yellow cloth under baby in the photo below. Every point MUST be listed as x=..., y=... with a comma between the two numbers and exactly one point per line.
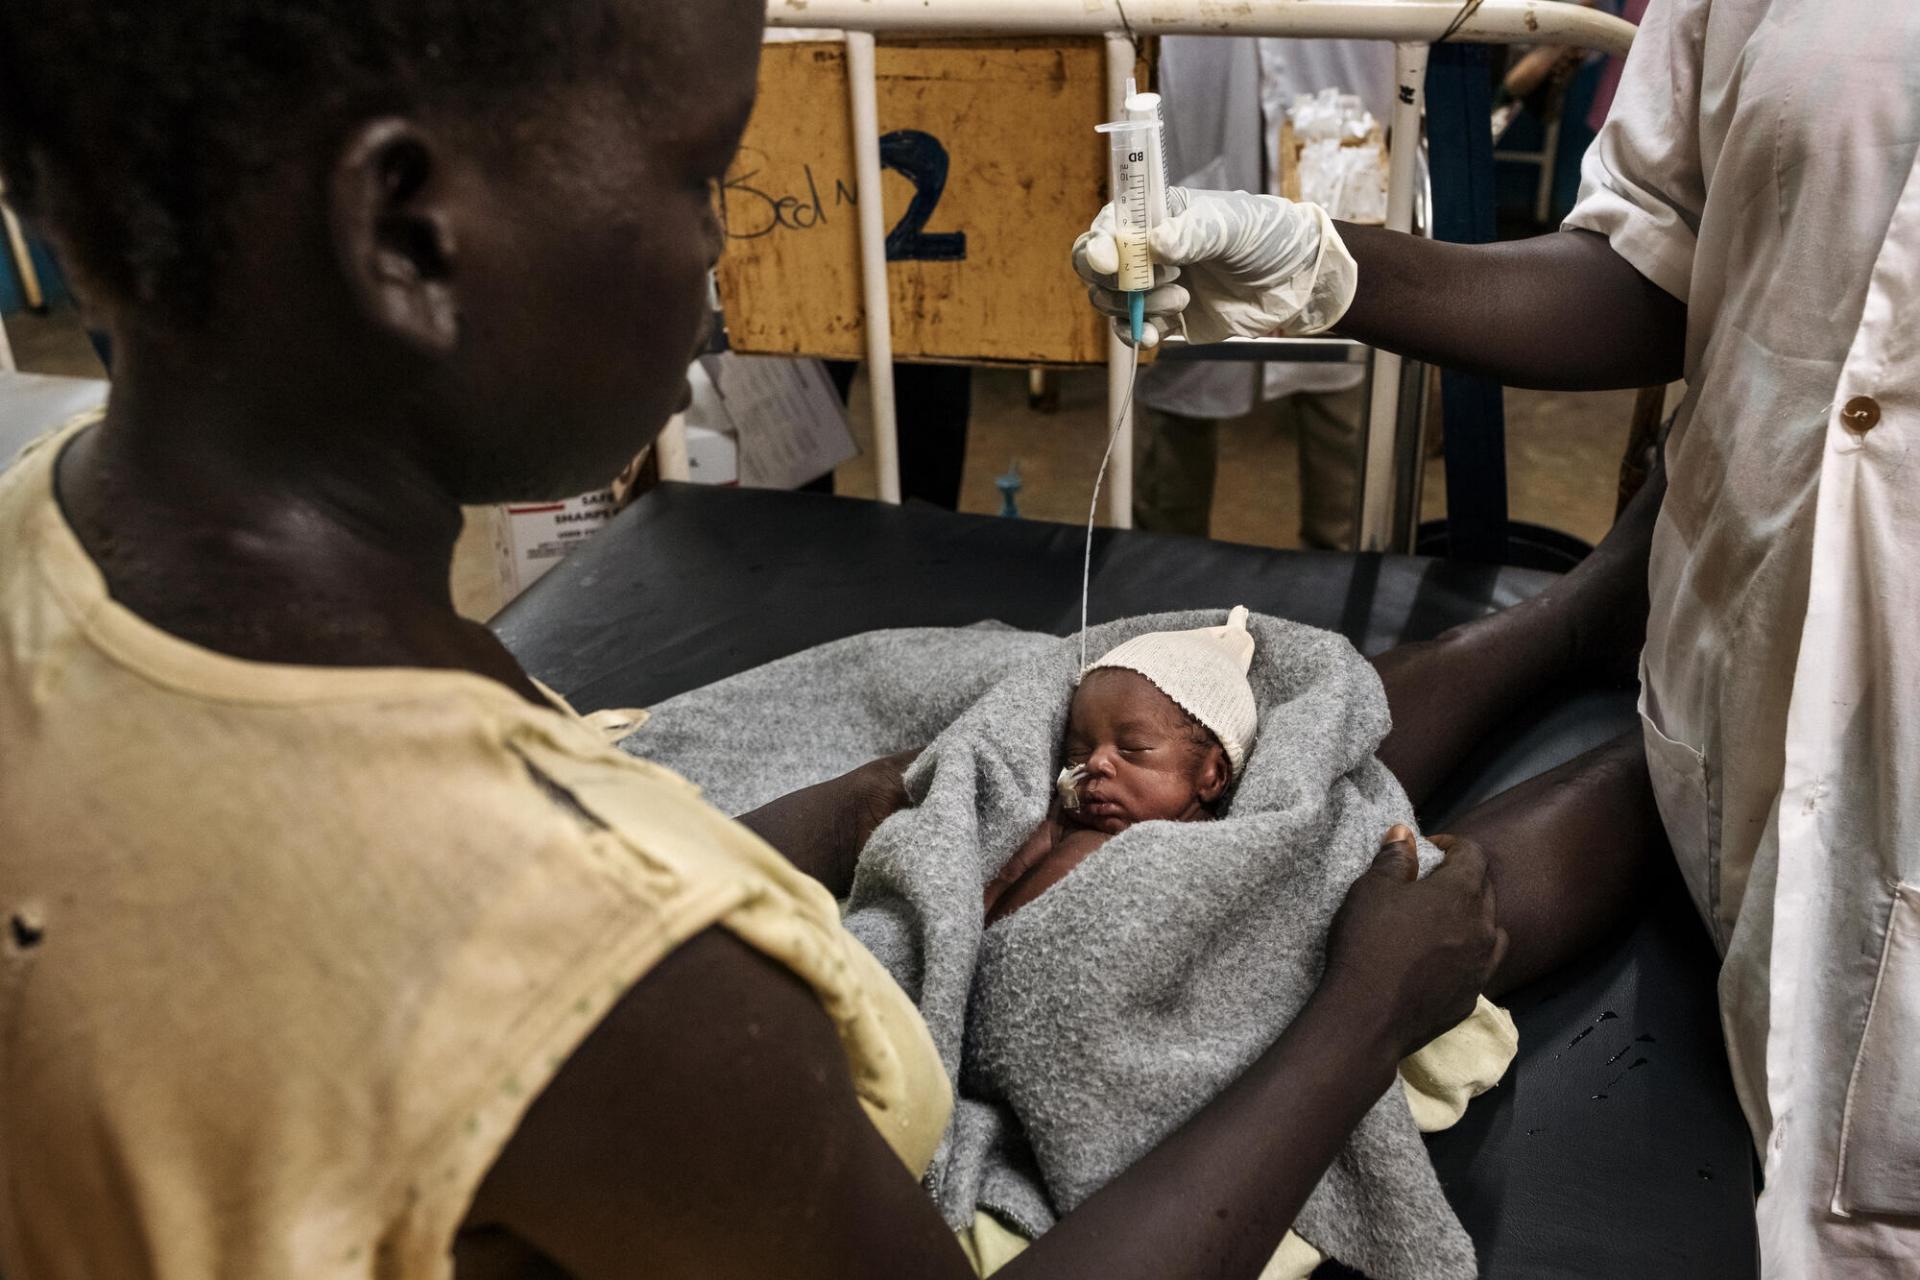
x=1439, y=1082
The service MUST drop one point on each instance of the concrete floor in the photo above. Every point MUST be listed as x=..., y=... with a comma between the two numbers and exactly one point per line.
x=1563, y=451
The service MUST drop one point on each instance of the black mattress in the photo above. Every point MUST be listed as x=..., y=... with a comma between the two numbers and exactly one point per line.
x=1615, y=1147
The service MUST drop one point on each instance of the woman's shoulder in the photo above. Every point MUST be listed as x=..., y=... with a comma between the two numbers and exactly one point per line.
x=388, y=924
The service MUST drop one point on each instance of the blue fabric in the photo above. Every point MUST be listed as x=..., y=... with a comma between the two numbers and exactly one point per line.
x=52, y=283
x=1460, y=156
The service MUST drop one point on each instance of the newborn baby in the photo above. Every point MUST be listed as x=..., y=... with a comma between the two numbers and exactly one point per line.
x=1157, y=731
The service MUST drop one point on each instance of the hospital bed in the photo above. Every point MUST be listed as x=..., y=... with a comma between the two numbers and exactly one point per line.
x=1586, y=1162
x=1614, y=1148
x=691, y=584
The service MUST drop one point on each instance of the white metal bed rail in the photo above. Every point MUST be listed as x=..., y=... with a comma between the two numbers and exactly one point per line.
x=1413, y=26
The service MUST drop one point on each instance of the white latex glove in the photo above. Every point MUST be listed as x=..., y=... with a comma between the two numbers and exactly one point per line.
x=1247, y=266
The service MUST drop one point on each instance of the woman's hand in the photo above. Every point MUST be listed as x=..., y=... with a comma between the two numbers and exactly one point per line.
x=1249, y=266
x=1414, y=954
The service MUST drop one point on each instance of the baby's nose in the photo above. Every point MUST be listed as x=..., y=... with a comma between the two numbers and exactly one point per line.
x=1102, y=762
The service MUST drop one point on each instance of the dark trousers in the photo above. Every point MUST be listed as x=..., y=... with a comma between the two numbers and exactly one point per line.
x=931, y=404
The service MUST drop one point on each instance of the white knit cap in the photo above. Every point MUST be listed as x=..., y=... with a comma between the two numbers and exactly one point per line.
x=1205, y=671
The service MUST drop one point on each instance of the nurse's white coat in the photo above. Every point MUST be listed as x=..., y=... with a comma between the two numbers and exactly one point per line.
x=1759, y=164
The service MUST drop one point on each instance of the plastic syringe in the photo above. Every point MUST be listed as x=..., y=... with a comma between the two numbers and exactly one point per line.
x=1138, y=170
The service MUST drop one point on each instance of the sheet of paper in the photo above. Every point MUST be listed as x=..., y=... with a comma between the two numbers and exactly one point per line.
x=786, y=415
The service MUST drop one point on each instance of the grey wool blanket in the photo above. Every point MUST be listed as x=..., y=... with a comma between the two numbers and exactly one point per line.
x=1089, y=1025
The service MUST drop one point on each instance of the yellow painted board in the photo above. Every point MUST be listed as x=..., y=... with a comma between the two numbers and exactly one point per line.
x=991, y=170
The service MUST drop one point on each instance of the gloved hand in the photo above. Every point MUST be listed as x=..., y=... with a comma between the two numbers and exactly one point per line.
x=1227, y=264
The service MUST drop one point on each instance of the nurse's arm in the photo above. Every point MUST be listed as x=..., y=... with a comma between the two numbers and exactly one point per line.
x=1560, y=310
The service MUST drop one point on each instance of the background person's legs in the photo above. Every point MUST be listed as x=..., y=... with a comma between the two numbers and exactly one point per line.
x=931, y=405
x=1173, y=470
x=1328, y=428
x=934, y=402
x=1175, y=460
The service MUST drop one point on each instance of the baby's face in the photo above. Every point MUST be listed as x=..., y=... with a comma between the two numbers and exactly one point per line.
x=1144, y=758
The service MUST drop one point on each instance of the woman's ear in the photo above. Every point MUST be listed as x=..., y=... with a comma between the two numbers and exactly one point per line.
x=1215, y=774
x=391, y=216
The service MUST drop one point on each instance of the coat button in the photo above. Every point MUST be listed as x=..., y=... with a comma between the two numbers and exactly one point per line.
x=1860, y=415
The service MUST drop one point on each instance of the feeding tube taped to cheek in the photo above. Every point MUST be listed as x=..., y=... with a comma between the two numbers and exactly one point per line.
x=1138, y=172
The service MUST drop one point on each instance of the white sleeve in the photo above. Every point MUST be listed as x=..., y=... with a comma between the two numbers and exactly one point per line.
x=1641, y=184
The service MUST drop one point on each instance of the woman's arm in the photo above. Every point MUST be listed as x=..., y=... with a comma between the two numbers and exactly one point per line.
x=1560, y=310
x=709, y=1127
x=821, y=829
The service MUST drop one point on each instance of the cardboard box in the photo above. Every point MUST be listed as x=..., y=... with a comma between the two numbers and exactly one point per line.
x=992, y=170
x=532, y=537
x=1290, y=148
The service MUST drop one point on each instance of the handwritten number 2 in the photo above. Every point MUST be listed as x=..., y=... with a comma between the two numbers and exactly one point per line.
x=923, y=161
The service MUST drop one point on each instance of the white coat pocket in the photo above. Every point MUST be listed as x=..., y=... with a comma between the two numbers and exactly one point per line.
x=1679, y=775
x=1880, y=1128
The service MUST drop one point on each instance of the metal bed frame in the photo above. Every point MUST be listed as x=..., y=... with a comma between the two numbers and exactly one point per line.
x=1390, y=455
x=1389, y=462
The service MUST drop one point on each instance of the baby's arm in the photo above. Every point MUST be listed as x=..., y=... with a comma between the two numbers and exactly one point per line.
x=1036, y=847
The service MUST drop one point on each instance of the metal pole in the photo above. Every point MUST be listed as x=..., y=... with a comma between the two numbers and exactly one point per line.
x=1533, y=22
x=1412, y=24
x=29, y=279
x=1416, y=384
x=670, y=450
x=22, y=257
x=1410, y=455
x=1549, y=161
x=1376, y=525
x=1120, y=64
x=873, y=261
